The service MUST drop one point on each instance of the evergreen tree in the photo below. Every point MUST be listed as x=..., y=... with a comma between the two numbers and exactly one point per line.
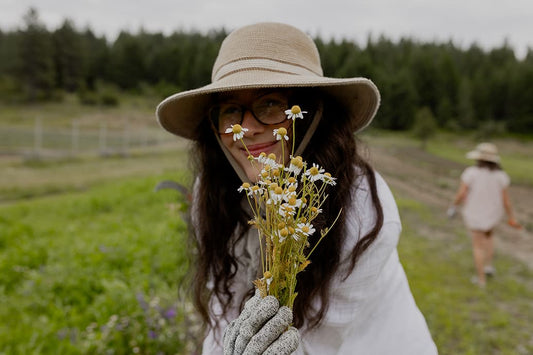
x=69, y=57
x=36, y=68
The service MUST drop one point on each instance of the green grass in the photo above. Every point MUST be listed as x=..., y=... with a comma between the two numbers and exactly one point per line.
x=76, y=259
x=462, y=318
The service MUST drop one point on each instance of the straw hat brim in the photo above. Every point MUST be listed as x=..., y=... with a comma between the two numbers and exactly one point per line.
x=182, y=113
x=477, y=155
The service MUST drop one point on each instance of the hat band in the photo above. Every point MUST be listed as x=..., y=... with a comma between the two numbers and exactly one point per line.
x=262, y=64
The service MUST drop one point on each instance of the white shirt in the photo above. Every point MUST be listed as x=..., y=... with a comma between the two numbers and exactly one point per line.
x=372, y=312
x=483, y=207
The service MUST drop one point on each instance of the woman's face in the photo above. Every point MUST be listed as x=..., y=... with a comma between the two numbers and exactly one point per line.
x=259, y=137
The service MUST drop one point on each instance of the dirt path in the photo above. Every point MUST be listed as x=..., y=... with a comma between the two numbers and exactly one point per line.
x=415, y=174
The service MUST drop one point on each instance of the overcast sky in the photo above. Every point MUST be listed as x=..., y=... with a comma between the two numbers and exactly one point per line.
x=486, y=22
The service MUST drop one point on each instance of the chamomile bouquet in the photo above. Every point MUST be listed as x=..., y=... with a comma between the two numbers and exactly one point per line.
x=286, y=199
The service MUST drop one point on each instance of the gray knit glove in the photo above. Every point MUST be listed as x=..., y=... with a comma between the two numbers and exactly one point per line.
x=261, y=328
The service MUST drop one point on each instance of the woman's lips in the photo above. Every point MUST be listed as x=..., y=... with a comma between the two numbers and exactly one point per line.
x=257, y=149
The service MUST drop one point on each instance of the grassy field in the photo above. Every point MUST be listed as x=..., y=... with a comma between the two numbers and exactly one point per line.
x=91, y=259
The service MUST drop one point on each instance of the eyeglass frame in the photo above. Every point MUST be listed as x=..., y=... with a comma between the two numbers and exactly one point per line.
x=247, y=108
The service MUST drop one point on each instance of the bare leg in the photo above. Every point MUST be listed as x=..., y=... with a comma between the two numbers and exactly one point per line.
x=489, y=249
x=478, y=251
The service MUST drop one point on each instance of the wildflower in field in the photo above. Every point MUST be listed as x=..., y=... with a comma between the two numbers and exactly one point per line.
x=295, y=112
x=237, y=130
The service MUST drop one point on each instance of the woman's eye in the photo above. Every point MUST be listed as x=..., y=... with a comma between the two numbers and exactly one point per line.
x=230, y=110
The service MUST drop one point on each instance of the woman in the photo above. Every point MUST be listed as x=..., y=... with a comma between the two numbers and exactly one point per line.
x=354, y=296
x=484, y=192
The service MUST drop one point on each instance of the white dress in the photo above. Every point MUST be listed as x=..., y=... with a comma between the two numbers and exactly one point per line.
x=483, y=207
x=371, y=312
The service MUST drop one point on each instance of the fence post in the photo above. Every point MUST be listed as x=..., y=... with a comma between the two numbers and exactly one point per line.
x=37, y=136
x=102, y=138
x=125, y=140
x=75, y=137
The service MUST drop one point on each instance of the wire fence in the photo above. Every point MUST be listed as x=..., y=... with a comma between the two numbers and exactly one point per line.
x=81, y=138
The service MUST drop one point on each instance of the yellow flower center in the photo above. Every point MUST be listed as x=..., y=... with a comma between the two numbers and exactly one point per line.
x=278, y=190
x=304, y=219
x=273, y=186
x=313, y=170
x=284, y=232
x=297, y=161
x=272, y=156
x=292, y=180
x=237, y=129
x=245, y=185
x=282, y=131
x=305, y=229
x=314, y=209
x=264, y=174
x=296, y=110
x=267, y=274
x=292, y=188
x=327, y=174
x=255, y=188
x=281, y=225
x=291, y=230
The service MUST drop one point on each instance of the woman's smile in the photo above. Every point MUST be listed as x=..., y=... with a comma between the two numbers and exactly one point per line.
x=256, y=149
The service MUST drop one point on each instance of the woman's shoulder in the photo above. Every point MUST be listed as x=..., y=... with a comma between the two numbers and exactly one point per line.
x=364, y=204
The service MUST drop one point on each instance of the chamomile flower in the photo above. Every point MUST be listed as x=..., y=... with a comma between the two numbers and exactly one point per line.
x=280, y=133
x=286, y=210
x=305, y=228
x=237, y=130
x=328, y=179
x=276, y=194
x=256, y=190
x=268, y=160
x=296, y=165
x=267, y=277
x=244, y=187
x=292, y=200
x=295, y=112
x=315, y=173
x=316, y=211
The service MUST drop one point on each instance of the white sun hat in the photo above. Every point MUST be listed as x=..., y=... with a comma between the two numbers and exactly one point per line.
x=486, y=152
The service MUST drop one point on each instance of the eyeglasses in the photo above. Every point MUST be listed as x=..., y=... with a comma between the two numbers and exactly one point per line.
x=267, y=109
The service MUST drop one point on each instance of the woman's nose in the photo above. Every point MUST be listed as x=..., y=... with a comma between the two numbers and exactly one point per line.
x=253, y=125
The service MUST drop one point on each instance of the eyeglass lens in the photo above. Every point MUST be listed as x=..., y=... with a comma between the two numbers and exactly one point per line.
x=268, y=109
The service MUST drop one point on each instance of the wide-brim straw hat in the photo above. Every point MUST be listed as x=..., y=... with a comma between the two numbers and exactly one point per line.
x=486, y=152
x=267, y=55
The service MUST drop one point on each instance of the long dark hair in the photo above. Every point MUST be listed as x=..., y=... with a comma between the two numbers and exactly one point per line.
x=488, y=165
x=332, y=146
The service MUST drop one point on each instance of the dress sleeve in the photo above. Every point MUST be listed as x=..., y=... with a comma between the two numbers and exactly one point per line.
x=504, y=180
x=468, y=175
